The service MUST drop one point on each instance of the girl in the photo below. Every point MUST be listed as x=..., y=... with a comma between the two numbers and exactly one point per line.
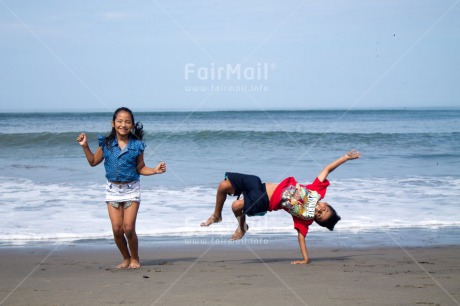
x=123, y=155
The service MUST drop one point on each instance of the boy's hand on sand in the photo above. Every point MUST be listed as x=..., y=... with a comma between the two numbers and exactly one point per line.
x=82, y=139
x=160, y=168
x=353, y=154
x=300, y=262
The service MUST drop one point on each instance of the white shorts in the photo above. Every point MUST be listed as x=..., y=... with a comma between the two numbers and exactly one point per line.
x=123, y=192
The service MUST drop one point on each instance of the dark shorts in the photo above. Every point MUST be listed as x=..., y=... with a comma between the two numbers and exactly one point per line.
x=254, y=192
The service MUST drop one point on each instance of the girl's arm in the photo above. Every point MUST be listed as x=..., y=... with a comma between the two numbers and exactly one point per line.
x=353, y=154
x=142, y=169
x=93, y=159
x=303, y=249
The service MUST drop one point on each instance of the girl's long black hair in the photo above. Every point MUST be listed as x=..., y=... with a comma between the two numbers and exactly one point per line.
x=136, y=133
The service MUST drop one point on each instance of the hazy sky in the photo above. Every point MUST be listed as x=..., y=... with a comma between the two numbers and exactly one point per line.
x=202, y=55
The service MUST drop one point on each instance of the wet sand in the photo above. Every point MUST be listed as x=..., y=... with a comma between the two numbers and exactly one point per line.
x=214, y=274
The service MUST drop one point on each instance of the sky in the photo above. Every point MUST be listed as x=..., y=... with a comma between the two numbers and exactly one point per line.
x=228, y=55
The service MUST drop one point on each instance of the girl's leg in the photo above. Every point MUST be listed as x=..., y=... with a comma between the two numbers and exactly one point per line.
x=116, y=217
x=225, y=187
x=242, y=228
x=129, y=228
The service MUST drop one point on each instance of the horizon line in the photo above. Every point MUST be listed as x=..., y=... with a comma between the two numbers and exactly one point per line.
x=183, y=110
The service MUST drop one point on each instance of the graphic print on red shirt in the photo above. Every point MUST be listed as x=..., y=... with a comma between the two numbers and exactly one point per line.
x=291, y=196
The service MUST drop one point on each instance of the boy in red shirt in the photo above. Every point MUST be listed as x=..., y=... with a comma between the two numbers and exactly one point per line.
x=301, y=201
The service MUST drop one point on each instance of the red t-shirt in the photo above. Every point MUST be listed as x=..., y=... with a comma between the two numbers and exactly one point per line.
x=300, y=192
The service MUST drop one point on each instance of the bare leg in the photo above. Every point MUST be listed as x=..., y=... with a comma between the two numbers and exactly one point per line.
x=129, y=227
x=116, y=217
x=225, y=187
x=242, y=228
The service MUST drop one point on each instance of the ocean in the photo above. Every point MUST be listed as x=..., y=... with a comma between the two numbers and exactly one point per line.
x=408, y=176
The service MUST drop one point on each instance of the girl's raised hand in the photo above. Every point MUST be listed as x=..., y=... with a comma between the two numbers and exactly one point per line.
x=82, y=139
x=160, y=168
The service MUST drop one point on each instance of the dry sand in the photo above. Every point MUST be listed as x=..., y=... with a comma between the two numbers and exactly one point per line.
x=213, y=274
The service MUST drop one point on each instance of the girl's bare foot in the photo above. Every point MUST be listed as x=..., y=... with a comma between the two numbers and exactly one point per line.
x=124, y=264
x=211, y=220
x=239, y=233
x=134, y=264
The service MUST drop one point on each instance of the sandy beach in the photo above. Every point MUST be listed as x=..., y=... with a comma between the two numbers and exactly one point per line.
x=215, y=274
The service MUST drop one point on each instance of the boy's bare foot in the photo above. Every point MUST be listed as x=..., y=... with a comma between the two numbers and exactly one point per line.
x=124, y=264
x=134, y=264
x=239, y=233
x=211, y=220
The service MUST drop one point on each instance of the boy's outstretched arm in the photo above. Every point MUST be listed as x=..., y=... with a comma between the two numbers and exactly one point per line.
x=353, y=154
x=303, y=249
